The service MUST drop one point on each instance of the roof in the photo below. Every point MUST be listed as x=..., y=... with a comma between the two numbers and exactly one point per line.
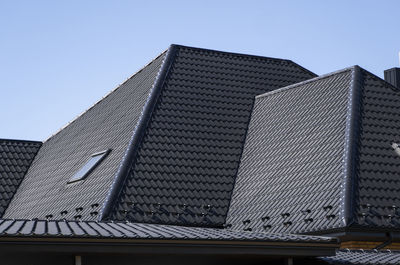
x=198, y=132
x=319, y=157
x=177, y=134
x=176, y=131
x=293, y=157
x=377, y=171
x=15, y=158
x=109, y=124
x=184, y=169
x=364, y=257
x=36, y=236
x=127, y=230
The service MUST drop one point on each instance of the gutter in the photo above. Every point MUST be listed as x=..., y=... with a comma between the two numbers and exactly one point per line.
x=124, y=246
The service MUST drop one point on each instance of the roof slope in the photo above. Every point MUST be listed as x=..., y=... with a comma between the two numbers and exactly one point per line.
x=109, y=124
x=15, y=158
x=363, y=257
x=185, y=168
x=378, y=165
x=322, y=155
x=291, y=171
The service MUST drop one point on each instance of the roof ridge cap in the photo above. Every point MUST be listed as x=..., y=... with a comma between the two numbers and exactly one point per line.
x=282, y=89
x=244, y=55
x=351, y=146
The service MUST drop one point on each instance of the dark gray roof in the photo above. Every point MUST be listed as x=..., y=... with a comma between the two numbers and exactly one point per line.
x=319, y=157
x=363, y=257
x=186, y=164
x=109, y=124
x=176, y=131
x=92, y=229
x=15, y=158
x=378, y=168
x=291, y=171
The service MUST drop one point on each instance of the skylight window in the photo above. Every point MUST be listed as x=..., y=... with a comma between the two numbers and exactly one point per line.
x=90, y=165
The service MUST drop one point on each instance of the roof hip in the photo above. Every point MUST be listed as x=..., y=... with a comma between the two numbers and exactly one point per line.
x=351, y=146
x=134, y=143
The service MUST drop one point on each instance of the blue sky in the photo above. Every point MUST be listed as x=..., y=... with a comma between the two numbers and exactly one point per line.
x=58, y=58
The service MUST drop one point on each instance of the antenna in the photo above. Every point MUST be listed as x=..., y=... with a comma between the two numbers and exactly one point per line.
x=399, y=58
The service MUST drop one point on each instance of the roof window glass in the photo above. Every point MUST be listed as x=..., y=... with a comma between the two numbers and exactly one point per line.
x=90, y=165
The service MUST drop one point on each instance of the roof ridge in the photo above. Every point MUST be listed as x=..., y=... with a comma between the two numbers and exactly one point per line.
x=381, y=79
x=20, y=141
x=244, y=55
x=105, y=96
x=306, y=81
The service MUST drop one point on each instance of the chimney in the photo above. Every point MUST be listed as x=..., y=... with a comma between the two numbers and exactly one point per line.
x=392, y=76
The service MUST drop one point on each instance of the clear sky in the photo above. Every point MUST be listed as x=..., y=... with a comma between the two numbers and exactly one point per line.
x=57, y=58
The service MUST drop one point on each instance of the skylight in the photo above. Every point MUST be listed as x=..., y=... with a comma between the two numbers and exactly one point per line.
x=91, y=164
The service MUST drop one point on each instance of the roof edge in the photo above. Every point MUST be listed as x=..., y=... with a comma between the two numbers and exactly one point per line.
x=381, y=79
x=305, y=82
x=247, y=55
x=20, y=141
x=351, y=147
x=303, y=68
x=138, y=133
x=134, y=247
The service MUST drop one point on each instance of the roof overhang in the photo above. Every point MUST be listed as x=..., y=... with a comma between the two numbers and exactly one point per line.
x=361, y=233
x=81, y=246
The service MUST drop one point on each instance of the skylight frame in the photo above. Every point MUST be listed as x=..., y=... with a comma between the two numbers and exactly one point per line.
x=87, y=168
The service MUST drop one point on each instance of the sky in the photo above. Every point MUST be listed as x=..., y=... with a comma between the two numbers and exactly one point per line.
x=57, y=58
